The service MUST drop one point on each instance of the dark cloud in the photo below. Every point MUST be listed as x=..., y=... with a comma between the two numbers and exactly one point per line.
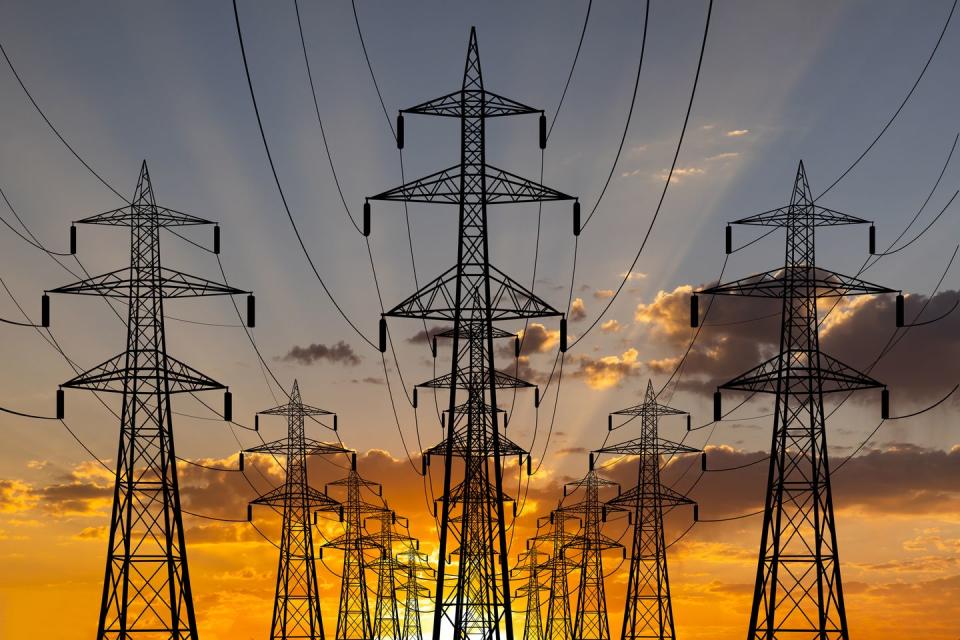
x=338, y=353
x=425, y=336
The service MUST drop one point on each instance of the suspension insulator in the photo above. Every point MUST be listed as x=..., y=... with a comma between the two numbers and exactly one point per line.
x=251, y=311
x=873, y=240
x=885, y=404
x=696, y=513
x=717, y=407
x=61, y=405
x=563, y=335
x=45, y=311
x=688, y=422
x=529, y=465
x=576, y=217
x=73, y=239
x=516, y=347
x=383, y=335
x=543, y=131
x=249, y=513
x=414, y=397
x=591, y=462
x=423, y=466
x=433, y=347
x=256, y=422
x=694, y=311
x=340, y=513
x=514, y=509
x=240, y=463
x=227, y=406
x=434, y=509
x=334, y=422
x=703, y=461
x=900, y=310
x=353, y=461
x=399, y=131
x=603, y=513
x=366, y=218
x=443, y=421
x=536, y=397
x=610, y=422
x=216, y=239
x=729, y=240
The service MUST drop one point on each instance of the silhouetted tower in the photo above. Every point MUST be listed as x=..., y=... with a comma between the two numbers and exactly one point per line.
x=472, y=295
x=559, y=623
x=296, y=608
x=146, y=588
x=648, y=612
x=531, y=563
x=590, y=621
x=798, y=589
x=353, y=619
x=386, y=616
x=414, y=564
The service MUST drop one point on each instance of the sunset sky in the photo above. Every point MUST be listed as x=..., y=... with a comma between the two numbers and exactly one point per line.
x=781, y=81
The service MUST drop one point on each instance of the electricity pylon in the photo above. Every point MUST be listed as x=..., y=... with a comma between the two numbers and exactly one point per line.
x=296, y=608
x=590, y=620
x=353, y=618
x=386, y=616
x=472, y=295
x=414, y=564
x=559, y=624
x=648, y=612
x=798, y=591
x=146, y=587
x=531, y=562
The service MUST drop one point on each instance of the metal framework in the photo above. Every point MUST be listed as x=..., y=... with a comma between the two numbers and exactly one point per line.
x=590, y=620
x=146, y=588
x=798, y=591
x=389, y=568
x=296, y=608
x=531, y=562
x=648, y=612
x=414, y=564
x=559, y=623
x=353, y=620
x=475, y=601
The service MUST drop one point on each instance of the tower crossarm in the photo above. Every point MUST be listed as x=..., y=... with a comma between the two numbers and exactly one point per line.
x=649, y=410
x=312, y=447
x=774, y=284
x=445, y=187
x=785, y=216
x=500, y=379
x=281, y=496
x=509, y=300
x=123, y=283
x=641, y=446
x=462, y=449
x=451, y=105
x=165, y=373
x=799, y=374
x=295, y=409
x=664, y=497
x=129, y=216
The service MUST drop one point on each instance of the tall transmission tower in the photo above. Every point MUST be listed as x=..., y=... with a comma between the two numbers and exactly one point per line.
x=648, y=612
x=559, y=623
x=414, y=564
x=353, y=619
x=296, y=608
x=532, y=563
x=798, y=591
x=472, y=295
x=388, y=568
x=590, y=621
x=146, y=588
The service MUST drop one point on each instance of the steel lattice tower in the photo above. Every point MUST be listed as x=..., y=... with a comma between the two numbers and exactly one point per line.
x=559, y=624
x=353, y=619
x=296, y=608
x=146, y=588
x=590, y=621
x=530, y=563
x=798, y=590
x=472, y=295
x=386, y=617
x=414, y=563
x=648, y=612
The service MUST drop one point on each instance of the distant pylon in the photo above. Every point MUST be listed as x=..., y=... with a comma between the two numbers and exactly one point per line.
x=146, y=587
x=532, y=562
x=296, y=607
x=559, y=623
x=590, y=620
x=648, y=612
x=798, y=591
x=414, y=564
x=386, y=616
x=353, y=619
x=471, y=296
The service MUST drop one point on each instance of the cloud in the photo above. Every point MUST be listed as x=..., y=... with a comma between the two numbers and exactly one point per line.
x=578, y=310
x=536, y=339
x=16, y=496
x=611, y=326
x=607, y=371
x=338, y=353
x=425, y=336
x=680, y=173
x=737, y=133
x=603, y=294
x=730, y=155
x=633, y=276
